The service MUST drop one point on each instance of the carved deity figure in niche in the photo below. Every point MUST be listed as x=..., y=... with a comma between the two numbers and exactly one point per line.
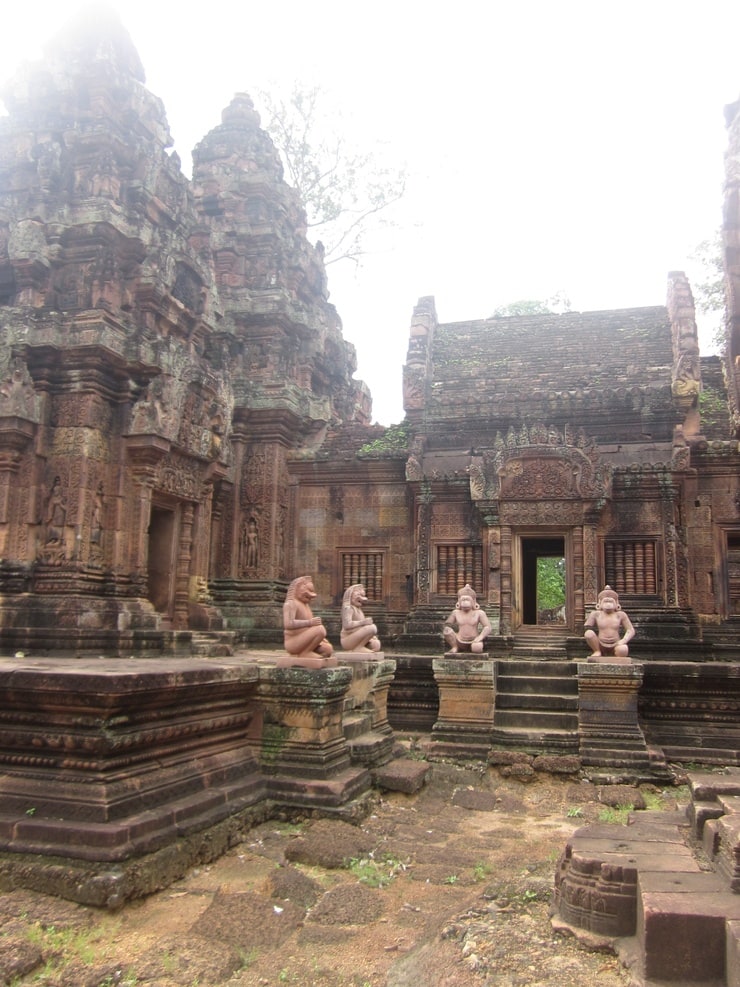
x=251, y=544
x=609, y=630
x=96, y=526
x=17, y=396
x=304, y=634
x=149, y=412
x=55, y=515
x=473, y=626
x=358, y=633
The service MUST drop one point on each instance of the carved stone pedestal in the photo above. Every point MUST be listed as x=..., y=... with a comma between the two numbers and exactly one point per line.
x=306, y=661
x=609, y=733
x=119, y=775
x=303, y=750
x=467, y=697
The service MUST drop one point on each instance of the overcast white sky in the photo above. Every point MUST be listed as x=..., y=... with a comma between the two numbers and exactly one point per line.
x=550, y=146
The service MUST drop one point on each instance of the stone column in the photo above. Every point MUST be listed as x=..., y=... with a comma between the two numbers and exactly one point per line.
x=467, y=697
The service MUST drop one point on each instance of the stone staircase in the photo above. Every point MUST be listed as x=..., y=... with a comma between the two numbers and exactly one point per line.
x=212, y=644
x=537, y=695
x=540, y=643
x=366, y=746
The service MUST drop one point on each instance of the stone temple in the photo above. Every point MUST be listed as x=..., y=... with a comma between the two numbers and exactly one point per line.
x=182, y=432
x=182, y=435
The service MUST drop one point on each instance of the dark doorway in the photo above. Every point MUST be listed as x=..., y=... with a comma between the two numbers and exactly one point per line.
x=161, y=559
x=543, y=582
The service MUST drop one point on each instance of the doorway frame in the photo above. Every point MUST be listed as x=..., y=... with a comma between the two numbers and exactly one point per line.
x=160, y=507
x=519, y=537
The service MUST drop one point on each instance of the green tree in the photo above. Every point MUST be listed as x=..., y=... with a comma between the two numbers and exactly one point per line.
x=347, y=192
x=555, y=305
x=708, y=285
x=550, y=582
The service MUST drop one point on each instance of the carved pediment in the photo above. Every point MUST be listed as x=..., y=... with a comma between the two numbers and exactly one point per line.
x=540, y=463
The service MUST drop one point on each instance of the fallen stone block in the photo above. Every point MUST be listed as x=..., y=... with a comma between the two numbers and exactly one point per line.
x=681, y=924
x=402, y=775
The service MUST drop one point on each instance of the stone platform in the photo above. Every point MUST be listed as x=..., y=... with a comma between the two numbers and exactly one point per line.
x=117, y=775
x=105, y=761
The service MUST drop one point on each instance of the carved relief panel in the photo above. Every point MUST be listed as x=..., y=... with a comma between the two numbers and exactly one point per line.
x=540, y=462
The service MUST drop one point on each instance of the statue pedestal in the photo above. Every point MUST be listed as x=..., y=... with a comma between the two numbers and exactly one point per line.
x=609, y=733
x=467, y=698
x=353, y=656
x=304, y=751
x=305, y=661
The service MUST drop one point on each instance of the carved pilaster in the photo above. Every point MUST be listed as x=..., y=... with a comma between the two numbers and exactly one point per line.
x=182, y=575
x=675, y=562
x=423, y=546
x=16, y=435
x=578, y=578
x=506, y=579
x=590, y=567
x=493, y=536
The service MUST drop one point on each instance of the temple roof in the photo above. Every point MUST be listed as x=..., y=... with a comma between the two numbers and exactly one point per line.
x=566, y=352
x=610, y=365
x=96, y=33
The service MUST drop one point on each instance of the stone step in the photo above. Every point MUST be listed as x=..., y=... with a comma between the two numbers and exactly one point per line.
x=521, y=667
x=564, y=741
x=537, y=701
x=370, y=748
x=528, y=686
x=213, y=644
x=537, y=654
x=527, y=720
x=355, y=724
x=402, y=775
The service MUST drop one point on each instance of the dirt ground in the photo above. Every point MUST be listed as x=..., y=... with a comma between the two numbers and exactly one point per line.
x=446, y=888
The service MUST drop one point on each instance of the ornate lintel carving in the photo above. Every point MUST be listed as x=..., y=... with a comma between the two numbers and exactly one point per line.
x=537, y=462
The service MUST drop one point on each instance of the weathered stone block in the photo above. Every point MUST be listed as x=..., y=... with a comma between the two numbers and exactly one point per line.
x=681, y=925
x=402, y=775
x=556, y=764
